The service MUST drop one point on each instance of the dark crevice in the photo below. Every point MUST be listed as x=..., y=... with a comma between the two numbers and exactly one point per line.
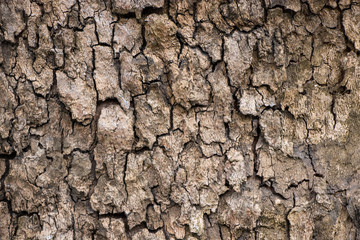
x=256, y=126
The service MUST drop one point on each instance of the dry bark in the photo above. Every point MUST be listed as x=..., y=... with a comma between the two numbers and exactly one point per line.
x=180, y=119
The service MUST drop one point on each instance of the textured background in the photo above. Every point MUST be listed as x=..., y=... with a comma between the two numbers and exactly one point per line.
x=180, y=119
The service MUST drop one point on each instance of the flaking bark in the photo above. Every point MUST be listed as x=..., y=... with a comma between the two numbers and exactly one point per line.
x=179, y=119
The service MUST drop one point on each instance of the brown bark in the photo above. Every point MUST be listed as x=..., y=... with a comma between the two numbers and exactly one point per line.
x=179, y=119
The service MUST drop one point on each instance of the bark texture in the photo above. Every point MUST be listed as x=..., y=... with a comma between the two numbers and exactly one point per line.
x=180, y=119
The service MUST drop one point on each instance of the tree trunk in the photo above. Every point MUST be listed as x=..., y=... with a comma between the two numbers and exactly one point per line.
x=179, y=119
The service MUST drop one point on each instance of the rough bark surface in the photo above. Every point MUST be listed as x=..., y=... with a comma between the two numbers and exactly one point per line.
x=180, y=119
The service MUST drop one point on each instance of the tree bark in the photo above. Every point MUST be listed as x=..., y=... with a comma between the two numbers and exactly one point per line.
x=179, y=119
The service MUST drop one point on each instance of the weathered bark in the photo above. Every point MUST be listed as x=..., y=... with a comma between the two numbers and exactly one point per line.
x=179, y=119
